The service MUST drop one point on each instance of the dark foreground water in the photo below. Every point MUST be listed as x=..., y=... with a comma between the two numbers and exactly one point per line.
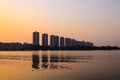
x=60, y=65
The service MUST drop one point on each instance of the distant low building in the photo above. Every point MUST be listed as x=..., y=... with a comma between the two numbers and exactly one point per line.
x=89, y=44
x=27, y=46
x=81, y=43
x=11, y=46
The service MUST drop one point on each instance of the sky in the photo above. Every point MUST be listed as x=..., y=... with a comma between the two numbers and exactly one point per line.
x=97, y=21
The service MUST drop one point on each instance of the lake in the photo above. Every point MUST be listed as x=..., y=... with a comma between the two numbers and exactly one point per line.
x=60, y=65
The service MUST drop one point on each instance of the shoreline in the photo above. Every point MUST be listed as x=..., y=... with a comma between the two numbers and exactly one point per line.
x=68, y=50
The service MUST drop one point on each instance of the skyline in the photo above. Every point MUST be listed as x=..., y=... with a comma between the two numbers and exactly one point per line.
x=42, y=39
x=96, y=21
x=54, y=44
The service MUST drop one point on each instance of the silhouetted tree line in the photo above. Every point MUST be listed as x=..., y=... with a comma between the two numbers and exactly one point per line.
x=37, y=47
x=18, y=46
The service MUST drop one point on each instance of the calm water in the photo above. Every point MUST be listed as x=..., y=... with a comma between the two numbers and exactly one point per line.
x=60, y=65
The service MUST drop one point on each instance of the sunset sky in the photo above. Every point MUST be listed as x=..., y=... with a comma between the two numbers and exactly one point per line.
x=97, y=21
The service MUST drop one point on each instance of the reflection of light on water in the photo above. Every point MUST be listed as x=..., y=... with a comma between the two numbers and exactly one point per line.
x=15, y=57
x=50, y=61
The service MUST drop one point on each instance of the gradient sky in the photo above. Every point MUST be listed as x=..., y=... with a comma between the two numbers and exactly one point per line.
x=90, y=20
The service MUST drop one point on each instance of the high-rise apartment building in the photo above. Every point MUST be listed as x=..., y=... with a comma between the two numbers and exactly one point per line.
x=52, y=40
x=56, y=41
x=62, y=42
x=68, y=42
x=44, y=39
x=36, y=38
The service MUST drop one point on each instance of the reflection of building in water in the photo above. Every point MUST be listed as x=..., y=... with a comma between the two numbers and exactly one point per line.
x=52, y=61
x=47, y=60
x=35, y=60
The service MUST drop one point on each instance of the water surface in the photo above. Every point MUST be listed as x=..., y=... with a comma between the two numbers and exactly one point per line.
x=60, y=65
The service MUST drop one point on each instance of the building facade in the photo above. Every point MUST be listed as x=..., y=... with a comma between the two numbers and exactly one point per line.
x=52, y=40
x=68, y=42
x=44, y=39
x=56, y=42
x=36, y=38
x=62, y=41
